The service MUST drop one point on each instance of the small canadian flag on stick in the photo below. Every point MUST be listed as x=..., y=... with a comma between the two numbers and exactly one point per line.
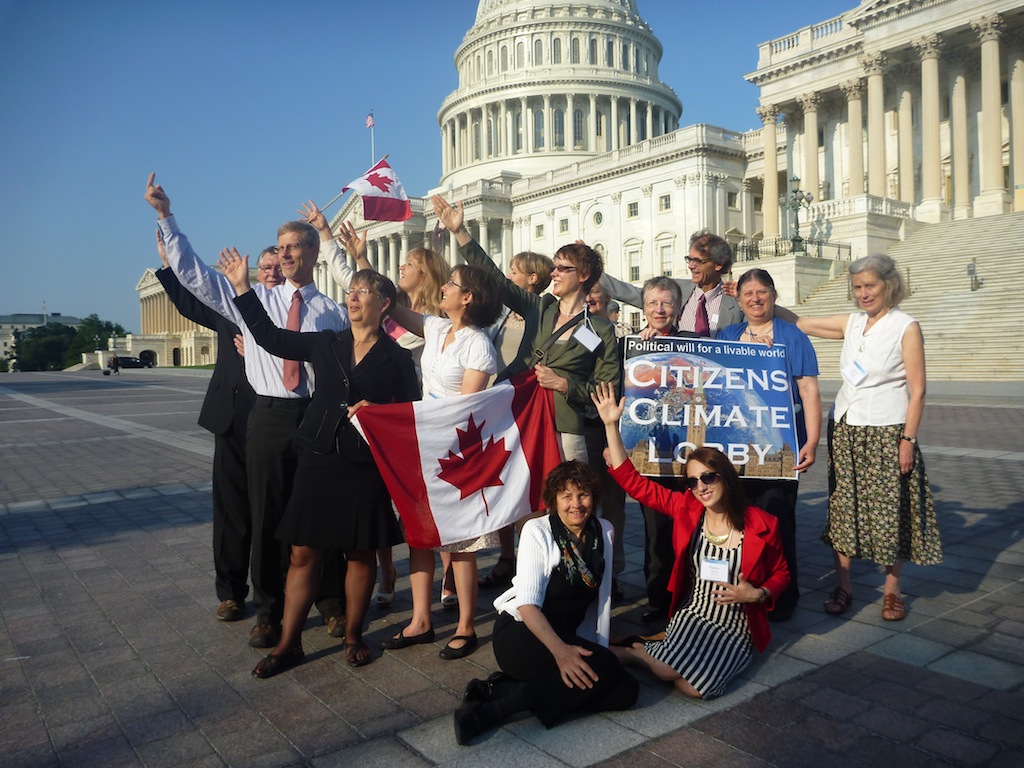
x=384, y=198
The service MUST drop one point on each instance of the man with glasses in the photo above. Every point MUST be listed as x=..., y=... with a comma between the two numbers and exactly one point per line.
x=283, y=389
x=706, y=310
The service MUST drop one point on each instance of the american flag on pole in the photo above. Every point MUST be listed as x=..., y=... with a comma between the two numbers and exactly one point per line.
x=369, y=120
x=460, y=467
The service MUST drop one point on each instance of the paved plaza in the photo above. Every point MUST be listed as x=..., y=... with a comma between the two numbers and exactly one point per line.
x=111, y=655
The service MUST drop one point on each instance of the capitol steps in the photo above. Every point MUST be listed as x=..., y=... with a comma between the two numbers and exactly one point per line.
x=969, y=335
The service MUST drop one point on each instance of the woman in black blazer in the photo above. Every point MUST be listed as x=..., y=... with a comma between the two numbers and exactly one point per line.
x=339, y=499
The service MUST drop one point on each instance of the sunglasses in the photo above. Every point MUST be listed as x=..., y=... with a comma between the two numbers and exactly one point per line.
x=708, y=478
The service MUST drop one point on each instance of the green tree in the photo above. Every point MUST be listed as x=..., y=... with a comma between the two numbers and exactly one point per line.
x=43, y=348
x=92, y=335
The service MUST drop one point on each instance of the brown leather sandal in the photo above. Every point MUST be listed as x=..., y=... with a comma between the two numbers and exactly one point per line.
x=893, y=608
x=276, y=663
x=840, y=601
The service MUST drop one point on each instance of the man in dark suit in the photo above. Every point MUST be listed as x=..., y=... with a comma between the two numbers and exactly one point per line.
x=225, y=413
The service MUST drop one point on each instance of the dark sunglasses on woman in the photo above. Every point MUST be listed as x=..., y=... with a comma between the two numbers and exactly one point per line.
x=708, y=478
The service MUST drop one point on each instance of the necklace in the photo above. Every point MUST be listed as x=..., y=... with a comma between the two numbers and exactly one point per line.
x=768, y=333
x=717, y=540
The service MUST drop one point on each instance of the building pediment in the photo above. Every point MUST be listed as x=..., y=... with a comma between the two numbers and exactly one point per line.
x=148, y=280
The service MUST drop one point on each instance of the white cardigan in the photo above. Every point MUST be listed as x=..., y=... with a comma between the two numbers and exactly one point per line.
x=536, y=559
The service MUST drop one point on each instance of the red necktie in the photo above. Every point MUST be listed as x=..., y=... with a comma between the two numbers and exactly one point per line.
x=701, y=326
x=291, y=367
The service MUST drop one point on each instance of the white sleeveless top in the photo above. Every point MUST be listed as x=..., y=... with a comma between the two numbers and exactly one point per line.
x=881, y=398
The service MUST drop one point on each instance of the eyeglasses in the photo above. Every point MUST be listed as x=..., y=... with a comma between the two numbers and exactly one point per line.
x=270, y=268
x=363, y=293
x=451, y=281
x=708, y=478
x=563, y=268
x=692, y=262
x=668, y=305
x=290, y=248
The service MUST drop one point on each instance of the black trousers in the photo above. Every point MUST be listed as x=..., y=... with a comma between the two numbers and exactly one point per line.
x=232, y=518
x=613, y=498
x=779, y=498
x=659, y=557
x=523, y=657
x=271, y=460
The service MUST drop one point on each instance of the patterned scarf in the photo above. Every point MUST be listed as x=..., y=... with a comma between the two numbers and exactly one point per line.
x=582, y=557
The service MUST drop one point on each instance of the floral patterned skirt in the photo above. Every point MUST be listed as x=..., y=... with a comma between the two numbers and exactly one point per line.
x=874, y=511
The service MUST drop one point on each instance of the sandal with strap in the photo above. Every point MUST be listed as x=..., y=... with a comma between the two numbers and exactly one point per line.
x=839, y=602
x=893, y=608
x=276, y=663
x=501, y=574
x=358, y=654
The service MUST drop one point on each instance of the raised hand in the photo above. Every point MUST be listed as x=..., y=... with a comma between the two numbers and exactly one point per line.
x=452, y=218
x=235, y=269
x=353, y=242
x=314, y=216
x=239, y=345
x=156, y=197
x=608, y=408
x=160, y=249
x=437, y=238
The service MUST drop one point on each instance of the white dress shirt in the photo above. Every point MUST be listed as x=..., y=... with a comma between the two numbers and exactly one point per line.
x=264, y=371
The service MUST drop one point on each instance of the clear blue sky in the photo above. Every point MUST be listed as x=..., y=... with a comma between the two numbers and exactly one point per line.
x=246, y=109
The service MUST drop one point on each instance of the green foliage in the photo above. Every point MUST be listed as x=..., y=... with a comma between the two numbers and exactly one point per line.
x=43, y=348
x=92, y=335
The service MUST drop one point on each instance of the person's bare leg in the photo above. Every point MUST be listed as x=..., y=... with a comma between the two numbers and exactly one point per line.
x=448, y=585
x=388, y=574
x=638, y=656
x=421, y=581
x=465, y=571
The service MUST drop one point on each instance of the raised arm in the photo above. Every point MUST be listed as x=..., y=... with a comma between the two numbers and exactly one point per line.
x=622, y=291
x=830, y=327
x=610, y=411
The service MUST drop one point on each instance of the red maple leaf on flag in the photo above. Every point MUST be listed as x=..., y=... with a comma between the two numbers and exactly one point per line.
x=380, y=182
x=479, y=465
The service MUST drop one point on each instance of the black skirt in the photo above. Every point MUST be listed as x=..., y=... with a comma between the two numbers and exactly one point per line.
x=338, y=504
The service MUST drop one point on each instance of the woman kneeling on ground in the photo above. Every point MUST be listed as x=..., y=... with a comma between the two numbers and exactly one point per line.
x=729, y=567
x=551, y=634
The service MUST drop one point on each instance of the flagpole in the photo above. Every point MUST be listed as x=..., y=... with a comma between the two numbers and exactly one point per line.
x=373, y=125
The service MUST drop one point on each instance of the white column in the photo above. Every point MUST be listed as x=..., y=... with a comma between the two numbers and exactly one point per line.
x=506, y=244
x=506, y=148
x=905, y=131
x=932, y=205
x=633, y=134
x=993, y=198
x=854, y=90
x=874, y=68
x=528, y=126
x=485, y=134
x=1015, y=72
x=614, y=127
x=959, y=61
x=593, y=124
x=769, y=115
x=810, y=103
x=570, y=124
x=649, y=125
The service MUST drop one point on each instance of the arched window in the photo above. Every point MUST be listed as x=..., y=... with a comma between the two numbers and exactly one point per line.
x=538, y=129
x=592, y=51
x=518, y=123
x=579, y=135
x=556, y=51
x=504, y=58
x=479, y=69
x=559, y=142
x=490, y=63
x=538, y=53
x=520, y=55
x=609, y=54
x=574, y=51
x=476, y=141
x=625, y=56
x=636, y=60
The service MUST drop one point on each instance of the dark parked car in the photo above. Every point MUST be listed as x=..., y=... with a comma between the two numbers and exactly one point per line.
x=132, y=362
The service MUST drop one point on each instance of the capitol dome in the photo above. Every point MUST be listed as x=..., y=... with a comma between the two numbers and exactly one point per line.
x=544, y=84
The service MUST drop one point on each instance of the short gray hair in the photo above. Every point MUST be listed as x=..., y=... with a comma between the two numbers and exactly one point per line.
x=887, y=271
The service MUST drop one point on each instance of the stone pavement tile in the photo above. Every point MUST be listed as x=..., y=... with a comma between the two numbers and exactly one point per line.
x=186, y=749
x=911, y=650
x=980, y=669
x=31, y=756
x=685, y=747
x=1004, y=731
x=114, y=752
x=658, y=710
x=581, y=742
x=378, y=753
x=1001, y=646
x=1006, y=704
x=435, y=741
x=79, y=733
x=505, y=753
x=890, y=723
x=245, y=737
x=146, y=727
x=430, y=703
x=950, y=745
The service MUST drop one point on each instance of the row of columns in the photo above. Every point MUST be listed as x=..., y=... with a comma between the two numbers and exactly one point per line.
x=929, y=49
x=160, y=316
x=460, y=148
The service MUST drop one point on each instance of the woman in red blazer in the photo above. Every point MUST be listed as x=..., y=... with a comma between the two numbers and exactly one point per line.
x=729, y=567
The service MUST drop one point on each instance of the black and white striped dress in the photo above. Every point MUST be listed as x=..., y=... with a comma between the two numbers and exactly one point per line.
x=706, y=643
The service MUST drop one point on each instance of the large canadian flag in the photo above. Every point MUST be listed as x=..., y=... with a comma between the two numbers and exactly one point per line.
x=459, y=467
x=384, y=198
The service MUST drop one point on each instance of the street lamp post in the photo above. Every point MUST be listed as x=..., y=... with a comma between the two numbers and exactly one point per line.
x=797, y=199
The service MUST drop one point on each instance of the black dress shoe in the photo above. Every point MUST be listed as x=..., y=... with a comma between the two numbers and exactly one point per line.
x=654, y=614
x=264, y=635
x=469, y=643
x=404, y=641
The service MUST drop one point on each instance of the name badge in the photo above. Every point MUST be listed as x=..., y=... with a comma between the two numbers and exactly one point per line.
x=588, y=338
x=854, y=373
x=714, y=570
x=714, y=319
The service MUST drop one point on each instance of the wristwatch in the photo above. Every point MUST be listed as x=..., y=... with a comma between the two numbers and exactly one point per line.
x=912, y=440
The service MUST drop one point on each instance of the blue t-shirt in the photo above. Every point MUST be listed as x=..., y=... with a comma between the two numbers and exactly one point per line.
x=800, y=359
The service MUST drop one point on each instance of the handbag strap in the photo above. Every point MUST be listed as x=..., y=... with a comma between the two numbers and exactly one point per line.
x=539, y=352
